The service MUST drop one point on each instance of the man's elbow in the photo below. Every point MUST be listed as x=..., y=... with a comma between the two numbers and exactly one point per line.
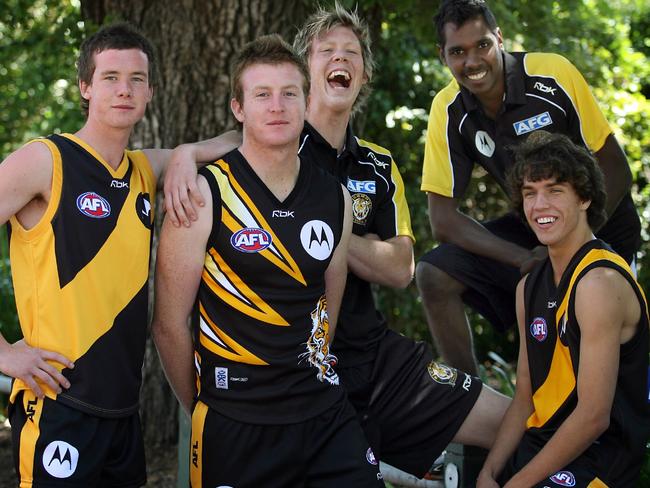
x=403, y=276
x=440, y=229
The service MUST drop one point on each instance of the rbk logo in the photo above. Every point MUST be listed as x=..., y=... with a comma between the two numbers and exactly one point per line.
x=60, y=459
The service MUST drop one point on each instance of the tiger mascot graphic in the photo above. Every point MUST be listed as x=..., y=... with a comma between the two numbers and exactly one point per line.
x=318, y=346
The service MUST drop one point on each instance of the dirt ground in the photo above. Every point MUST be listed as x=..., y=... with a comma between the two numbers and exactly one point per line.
x=161, y=464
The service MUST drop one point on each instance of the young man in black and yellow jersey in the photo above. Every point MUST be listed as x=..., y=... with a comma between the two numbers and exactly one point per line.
x=580, y=415
x=80, y=210
x=494, y=100
x=266, y=263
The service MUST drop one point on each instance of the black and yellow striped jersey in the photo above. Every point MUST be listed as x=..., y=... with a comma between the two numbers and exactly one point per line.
x=80, y=275
x=542, y=91
x=262, y=332
x=553, y=347
x=379, y=206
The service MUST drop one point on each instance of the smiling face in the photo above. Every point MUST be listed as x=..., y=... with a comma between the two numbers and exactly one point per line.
x=337, y=70
x=272, y=110
x=473, y=54
x=555, y=213
x=119, y=90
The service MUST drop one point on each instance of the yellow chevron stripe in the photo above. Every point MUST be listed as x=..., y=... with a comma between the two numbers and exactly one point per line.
x=249, y=303
x=238, y=353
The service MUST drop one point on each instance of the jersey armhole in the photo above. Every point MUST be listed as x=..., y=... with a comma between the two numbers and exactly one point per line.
x=55, y=197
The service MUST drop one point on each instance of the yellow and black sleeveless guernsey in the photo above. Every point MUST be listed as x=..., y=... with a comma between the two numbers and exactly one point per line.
x=80, y=275
x=261, y=338
x=543, y=91
x=553, y=346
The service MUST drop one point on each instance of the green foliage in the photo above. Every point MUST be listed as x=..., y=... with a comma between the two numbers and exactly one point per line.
x=607, y=40
x=38, y=93
x=9, y=327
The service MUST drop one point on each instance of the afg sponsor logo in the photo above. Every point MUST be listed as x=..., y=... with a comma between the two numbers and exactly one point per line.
x=358, y=186
x=563, y=478
x=538, y=329
x=60, y=459
x=93, y=205
x=533, y=123
x=251, y=239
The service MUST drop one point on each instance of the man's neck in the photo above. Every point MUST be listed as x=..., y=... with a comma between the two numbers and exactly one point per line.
x=277, y=167
x=109, y=144
x=331, y=125
x=562, y=254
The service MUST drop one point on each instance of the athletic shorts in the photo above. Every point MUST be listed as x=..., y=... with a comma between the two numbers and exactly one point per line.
x=491, y=284
x=602, y=465
x=326, y=451
x=58, y=446
x=409, y=405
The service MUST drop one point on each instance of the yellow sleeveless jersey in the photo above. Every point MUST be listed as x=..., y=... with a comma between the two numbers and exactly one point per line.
x=81, y=275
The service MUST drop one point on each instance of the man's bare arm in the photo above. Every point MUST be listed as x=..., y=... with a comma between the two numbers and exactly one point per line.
x=451, y=225
x=337, y=270
x=514, y=421
x=179, y=265
x=388, y=263
x=25, y=186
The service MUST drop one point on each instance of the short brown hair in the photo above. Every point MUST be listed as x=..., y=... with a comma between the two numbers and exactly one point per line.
x=120, y=36
x=270, y=49
x=544, y=156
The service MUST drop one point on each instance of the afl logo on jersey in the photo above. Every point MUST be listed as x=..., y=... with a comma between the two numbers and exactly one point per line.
x=92, y=205
x=251, y=239
x=563, y=478
x=317, y=239
x=538, y=329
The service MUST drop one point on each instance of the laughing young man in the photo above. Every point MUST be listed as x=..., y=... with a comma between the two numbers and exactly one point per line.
x=580, y=415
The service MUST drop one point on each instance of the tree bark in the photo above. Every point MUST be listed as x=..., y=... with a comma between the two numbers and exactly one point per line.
x=195, y=41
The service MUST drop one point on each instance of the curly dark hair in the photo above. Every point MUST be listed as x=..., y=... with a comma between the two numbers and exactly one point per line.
x=545, y=155
x=460, y=11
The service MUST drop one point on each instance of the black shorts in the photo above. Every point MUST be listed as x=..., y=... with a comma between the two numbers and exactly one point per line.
x=409, y=405
x=602, y=465
x=326, y=451
x=58, y=446
x=491, y=284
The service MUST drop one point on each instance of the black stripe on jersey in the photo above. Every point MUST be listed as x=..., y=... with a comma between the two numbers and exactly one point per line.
x=121, y=349
x=78, y=237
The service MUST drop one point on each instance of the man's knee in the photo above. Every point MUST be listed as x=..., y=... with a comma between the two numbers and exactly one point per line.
x=434, y=284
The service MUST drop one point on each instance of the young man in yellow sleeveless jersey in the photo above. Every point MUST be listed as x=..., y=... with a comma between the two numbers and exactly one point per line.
x=80, y=213
x=581, y=413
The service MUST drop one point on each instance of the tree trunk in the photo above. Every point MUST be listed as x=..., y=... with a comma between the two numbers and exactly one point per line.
x=195, y=42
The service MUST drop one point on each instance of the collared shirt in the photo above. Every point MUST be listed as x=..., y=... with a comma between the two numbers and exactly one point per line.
x=543, y=91
x=378, y=206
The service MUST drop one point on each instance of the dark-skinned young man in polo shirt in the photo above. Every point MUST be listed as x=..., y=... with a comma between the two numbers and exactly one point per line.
x=495, y=99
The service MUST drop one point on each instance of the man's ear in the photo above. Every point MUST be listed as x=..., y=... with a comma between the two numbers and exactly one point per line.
x=585, y=205
x=237, y=111
x=84, y=89
x=441, y=55
x=499, y=37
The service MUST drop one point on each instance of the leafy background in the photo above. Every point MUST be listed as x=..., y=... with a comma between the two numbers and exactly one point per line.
x=609, y=41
